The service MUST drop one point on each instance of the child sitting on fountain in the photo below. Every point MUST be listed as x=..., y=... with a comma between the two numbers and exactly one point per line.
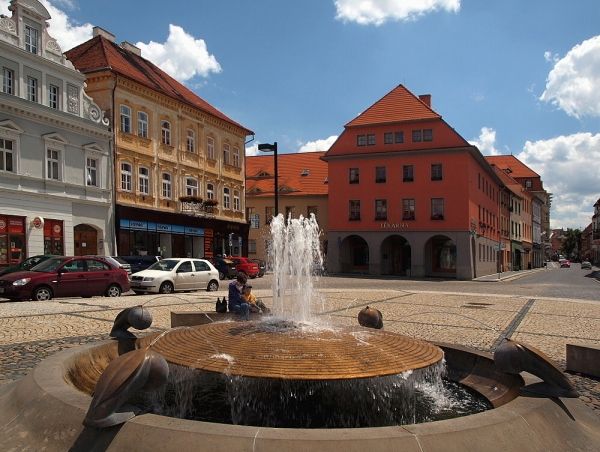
x=236, y=302
x=254, y=304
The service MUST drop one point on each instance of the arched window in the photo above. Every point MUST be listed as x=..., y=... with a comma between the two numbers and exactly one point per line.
x=166, y=185
x=143, y=124
x=191, y=141
x=125, y=119
x=144, y=180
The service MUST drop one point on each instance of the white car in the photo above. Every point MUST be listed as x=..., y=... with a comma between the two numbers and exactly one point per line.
x=176, y=274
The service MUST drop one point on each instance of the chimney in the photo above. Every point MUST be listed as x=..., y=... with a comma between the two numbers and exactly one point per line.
x=131, y=48
x=426, y=99
x=97, y=31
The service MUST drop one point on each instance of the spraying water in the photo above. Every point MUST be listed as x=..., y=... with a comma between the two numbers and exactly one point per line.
x=296, y=259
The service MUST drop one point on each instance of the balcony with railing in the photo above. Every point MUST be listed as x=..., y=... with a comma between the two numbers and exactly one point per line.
x=195, y=206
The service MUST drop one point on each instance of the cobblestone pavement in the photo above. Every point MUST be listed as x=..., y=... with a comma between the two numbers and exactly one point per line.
x=31, y=331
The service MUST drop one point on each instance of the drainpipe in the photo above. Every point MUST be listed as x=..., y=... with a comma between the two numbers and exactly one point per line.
x=112, y=148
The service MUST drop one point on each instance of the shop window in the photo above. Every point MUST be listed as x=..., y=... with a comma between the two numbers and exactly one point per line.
x=53, y=237
x=142, y=124
x=12, y=240
x=444, y=255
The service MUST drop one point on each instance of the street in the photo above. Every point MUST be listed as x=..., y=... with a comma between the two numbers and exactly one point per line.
x=546, y=308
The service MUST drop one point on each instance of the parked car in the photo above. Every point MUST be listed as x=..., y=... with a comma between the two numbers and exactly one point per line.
x=116, y=261
x=226, y=267
x=262, y=267
x=25, y=265
x=586, y=265
x=139, y=263
x=564, y=263
x=64, y=276
x=176, y=274
x=245, y=265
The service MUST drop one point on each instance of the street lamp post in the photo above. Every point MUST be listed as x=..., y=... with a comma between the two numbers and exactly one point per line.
x=267, y=147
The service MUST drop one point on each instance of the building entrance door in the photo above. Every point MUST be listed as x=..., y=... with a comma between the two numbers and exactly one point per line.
x=86, y=240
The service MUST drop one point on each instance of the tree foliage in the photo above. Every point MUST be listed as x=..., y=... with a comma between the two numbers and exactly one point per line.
x=570, y=245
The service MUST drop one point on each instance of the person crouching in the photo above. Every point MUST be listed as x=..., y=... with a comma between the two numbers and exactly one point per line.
x=236, y=303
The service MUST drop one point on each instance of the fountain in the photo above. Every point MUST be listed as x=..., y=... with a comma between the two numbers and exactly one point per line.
x=292, y=381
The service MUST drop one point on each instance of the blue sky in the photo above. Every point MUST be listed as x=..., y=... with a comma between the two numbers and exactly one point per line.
x=509, y=75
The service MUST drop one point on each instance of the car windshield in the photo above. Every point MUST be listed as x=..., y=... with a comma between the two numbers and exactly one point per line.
x=165, y=265
x=49, y=265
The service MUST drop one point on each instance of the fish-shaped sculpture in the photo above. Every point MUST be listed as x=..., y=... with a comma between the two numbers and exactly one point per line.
x=141, y=369
x=514, y=357
x=137, y=317
x=370, y=318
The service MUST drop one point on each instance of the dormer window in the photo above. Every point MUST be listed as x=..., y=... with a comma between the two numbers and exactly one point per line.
x=305, y=172
x=31, y=39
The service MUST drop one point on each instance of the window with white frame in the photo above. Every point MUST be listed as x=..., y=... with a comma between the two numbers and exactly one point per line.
x=210, y=148
x=236, y=200
x=226, y=198
x=91, y=172
x=53, y=164
x=142, y=124
x=236, y=157
x=191, y=186
x=125, y=119
x=31, y=39
x=7, y=161
x=125, y=176
x=32, y=86
x=165, y=132
x=191, y=141
x=53, y=96
x=166, y=185
x=8, y=81
x=144, y=180
x=226, y=153
x=210, y=191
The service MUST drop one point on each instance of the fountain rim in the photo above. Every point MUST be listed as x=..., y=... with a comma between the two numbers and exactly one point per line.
x=47, y=387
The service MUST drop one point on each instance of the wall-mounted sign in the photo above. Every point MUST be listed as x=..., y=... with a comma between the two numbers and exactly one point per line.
x=387, y=225
x=37, y=222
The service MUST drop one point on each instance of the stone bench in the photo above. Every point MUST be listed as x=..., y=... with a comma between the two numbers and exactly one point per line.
x=193, y=318
x=583, y=359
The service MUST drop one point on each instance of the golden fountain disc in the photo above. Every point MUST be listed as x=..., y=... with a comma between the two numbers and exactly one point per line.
x=266, y=350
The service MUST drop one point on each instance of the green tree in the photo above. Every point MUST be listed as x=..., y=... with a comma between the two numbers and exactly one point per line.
x=570, y=245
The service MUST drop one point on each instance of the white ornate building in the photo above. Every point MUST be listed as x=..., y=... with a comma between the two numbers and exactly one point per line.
x=56, y=176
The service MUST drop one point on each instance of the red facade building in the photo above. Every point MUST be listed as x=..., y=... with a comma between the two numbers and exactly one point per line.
x=409, y=196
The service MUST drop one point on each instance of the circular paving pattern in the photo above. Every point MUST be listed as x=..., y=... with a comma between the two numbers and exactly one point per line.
x=288, y=351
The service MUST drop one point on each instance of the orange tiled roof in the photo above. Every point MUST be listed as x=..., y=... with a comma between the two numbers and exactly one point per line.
x=508, y=181
x=396, y=106
x=101, y=54
x=517, y=167
x=291, y=167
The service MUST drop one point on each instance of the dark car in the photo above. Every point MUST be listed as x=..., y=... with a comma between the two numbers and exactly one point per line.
x=25, y=265
x=64, y=276
x=262, y=267
x=225, y=266
x=139, y=263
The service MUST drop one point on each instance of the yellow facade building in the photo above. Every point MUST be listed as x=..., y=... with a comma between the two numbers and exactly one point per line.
x=179, y=162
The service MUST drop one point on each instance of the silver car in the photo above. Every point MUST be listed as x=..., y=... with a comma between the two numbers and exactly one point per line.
x=586, y=265
x=176, y=275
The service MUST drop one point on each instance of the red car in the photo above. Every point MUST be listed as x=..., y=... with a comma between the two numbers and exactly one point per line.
x=61, y=276
x=245, y=265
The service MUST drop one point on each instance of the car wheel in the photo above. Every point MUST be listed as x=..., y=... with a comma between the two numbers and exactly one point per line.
x=213, y=286
x=139, y=292
x=221, y=276
x=166, y=287
x=43, y=293
x=113, y=291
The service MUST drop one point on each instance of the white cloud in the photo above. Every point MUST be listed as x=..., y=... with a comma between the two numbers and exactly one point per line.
x=486, y=142
x=252, y=151
x=564, y=164
x=182, y=56
x=318, y=145
x=573, y=84
x=377, y=12
x=62, y=28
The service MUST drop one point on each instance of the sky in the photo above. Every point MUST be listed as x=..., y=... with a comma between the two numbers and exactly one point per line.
x=511, y=76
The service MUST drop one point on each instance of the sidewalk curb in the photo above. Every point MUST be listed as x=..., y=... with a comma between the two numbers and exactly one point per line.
x=510, y=277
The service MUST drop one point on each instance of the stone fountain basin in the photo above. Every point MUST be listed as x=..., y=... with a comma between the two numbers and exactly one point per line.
x=44, y=411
